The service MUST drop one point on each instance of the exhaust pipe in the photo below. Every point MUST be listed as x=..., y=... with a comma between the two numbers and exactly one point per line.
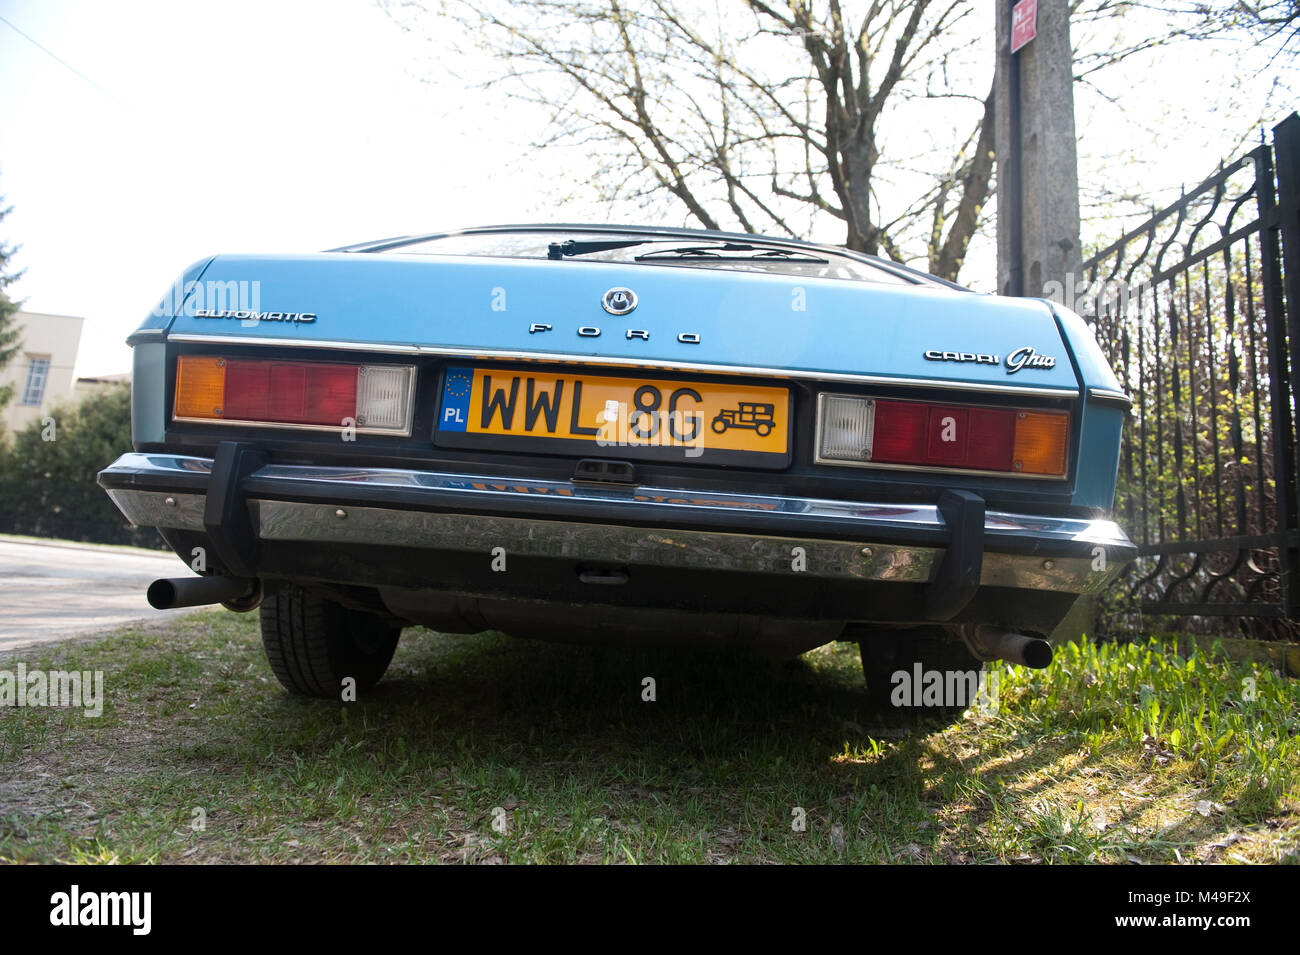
x=170, y=593
x=994, y=643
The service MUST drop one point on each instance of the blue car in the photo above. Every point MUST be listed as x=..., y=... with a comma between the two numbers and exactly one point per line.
x=615, y=434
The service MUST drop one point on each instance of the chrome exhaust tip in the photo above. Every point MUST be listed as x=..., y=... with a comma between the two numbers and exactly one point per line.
x=994, y=643
x=236, y=593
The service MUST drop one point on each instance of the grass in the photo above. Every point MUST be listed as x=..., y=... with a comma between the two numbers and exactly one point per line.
x=1118, y=753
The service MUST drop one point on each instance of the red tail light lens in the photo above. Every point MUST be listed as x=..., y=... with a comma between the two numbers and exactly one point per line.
x=899, y=434
x=290, y=393
x=992, y=439
x=927, y=435
x=308, y=394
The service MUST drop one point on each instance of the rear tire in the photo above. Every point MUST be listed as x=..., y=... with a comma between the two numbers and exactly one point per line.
x=314, y=644
x=885, y=652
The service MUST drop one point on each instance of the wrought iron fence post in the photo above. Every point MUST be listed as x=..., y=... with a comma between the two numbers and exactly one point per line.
x=1280, y=218
x=1216, y=458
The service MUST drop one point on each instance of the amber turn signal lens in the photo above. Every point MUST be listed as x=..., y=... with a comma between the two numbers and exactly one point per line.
x=200, y=386
x=1041, y=442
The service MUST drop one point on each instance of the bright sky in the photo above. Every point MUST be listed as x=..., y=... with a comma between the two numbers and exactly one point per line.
x=276, y=126
x=238, y=126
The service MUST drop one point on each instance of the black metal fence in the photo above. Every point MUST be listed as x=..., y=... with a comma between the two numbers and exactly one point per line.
x=1199, y=311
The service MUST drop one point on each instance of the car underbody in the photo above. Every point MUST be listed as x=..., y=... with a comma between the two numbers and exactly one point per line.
x=566, y=561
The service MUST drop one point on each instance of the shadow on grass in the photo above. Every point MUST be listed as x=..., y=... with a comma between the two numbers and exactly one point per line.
x=708, y=704
x=485, y=748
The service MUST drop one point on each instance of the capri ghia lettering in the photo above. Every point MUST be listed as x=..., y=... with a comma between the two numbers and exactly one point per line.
x=1026, y=357
x=934, y=355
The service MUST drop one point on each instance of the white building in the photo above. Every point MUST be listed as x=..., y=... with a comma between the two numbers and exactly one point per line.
x=86, y=387
x=41, y=373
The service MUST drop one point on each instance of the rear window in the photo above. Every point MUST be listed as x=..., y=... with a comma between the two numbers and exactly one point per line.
x=674, y=251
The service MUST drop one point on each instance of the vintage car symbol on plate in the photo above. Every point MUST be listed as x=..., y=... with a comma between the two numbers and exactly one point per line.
x=619, y=301
x=752, y=415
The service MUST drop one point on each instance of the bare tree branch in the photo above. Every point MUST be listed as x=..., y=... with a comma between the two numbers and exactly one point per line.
x=763, y=113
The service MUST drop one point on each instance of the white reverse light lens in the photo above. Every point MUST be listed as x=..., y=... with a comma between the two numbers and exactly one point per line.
x=383, y=396
x=846, y=427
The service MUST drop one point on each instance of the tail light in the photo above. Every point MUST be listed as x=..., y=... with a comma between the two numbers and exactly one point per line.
x=294, y=394
x=886, y=432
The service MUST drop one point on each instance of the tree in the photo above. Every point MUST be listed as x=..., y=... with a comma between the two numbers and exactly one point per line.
x=9, y=340
x=778, y=116
x=770, y=118
x=47, y=474
x=1200, y=19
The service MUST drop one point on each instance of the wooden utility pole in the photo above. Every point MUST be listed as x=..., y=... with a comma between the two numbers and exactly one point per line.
x=1038, y=177
x=1039, y=253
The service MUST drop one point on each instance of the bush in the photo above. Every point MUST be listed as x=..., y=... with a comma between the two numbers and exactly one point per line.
x=47, y=474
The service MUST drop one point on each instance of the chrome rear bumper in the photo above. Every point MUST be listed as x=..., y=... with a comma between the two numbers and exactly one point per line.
x=644, y=526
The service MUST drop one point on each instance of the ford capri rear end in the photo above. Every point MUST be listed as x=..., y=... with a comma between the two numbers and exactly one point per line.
x=610, y=434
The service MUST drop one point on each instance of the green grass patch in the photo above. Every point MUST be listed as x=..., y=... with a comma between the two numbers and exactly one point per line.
x=1117, y=753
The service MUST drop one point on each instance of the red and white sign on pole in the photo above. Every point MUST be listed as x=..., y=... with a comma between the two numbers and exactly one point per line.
x=1024, y=23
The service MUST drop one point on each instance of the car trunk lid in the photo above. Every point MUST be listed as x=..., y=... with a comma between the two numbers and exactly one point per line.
x=687, y=318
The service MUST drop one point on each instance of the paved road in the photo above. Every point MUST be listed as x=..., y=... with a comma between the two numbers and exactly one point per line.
x=50, y=590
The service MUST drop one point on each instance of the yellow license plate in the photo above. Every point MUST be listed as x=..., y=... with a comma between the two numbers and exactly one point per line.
x=609, y=416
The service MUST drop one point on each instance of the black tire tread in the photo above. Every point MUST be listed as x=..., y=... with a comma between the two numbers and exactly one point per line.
x=311, y=643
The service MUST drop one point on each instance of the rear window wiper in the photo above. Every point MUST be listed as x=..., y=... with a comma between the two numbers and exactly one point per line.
x=560, y=250
x=713, y=253
x=710, y=253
